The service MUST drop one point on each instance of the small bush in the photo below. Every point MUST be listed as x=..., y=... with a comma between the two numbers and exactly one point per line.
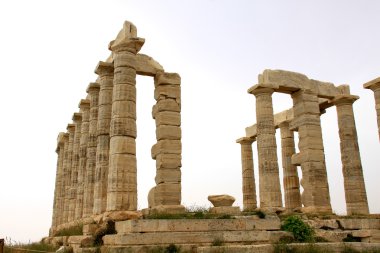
x=301, y=231
x=261, y=214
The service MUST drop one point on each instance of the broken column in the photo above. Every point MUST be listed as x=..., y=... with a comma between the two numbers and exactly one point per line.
x=167, y=151
x=57, y=212
x=105, y=71
x=311, y=158
x=290, y=175
x=269, y=181
x=374, y=85
x=122, y=178
x=354, y=187
x=67, y=172
x=249, y=185
x=88, y=197
x=84, y=106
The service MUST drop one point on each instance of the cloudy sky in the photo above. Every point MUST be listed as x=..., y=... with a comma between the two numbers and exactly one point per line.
x=49, y=51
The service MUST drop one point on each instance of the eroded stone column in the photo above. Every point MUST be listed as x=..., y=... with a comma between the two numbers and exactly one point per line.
x=167, y=151
x=290, y=175
x=269, y=181
x=84, y=106
x=354, y=187
x=77, y=119
x=122, y=177
x=249, y=185
x=316, y=196
x=67, y=171
x=88, y=198
x=61, y=192
x=57, y=212
x=374, y=85
x=105, y=71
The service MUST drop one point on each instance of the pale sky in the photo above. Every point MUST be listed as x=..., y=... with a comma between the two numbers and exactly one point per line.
x=49, y=51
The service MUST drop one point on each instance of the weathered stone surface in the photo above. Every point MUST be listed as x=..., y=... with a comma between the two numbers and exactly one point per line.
x=323, y=224
x=166, y=147
x=231, y=210
x=89, y=229
x=168, y=133
x=165, y=78
x=168, y=118
x=123, y=215
x=147, y=66
x=221, y=200
x=167, y=194
x=359, y=223
x=168, y=161
x=168, y=175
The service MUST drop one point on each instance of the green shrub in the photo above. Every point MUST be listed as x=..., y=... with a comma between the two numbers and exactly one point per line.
x=301, y=231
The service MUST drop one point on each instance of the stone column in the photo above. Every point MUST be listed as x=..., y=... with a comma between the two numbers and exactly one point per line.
x=88, y=197
x=167, y=150
x=57, y=212
x=122, y=178
x=249, y=185
x=84, y=106
x=270, y=190
x=62, y=195
x=374, y=85
x=316, y=196
x=356, y=197
x=77, y=119
x=67, y=172
x=105, y=71
x=290, y=175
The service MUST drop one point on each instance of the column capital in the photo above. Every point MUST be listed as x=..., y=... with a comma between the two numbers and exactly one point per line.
x=70, y=128
x=344, y=99
x=93, y=87
x=373, y=85
x=84, y=104
x=246, y=140
x=132, y=45
x=104, y=68
x=77, y=116
x=261, y=89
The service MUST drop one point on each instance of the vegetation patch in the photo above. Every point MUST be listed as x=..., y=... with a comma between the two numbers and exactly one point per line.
x=74, y=230
x=301, y=231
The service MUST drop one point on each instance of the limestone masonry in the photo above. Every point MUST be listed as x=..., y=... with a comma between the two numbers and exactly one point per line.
x=96, y=177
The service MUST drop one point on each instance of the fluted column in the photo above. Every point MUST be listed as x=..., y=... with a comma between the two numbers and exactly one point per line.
x=316, y=196
x=88, y=198
x=77, y=119
x=105, y=71
x=67, y=172
x=249, y=185
x=61, y=203
x=269, y=181
x=354, y=187
x=374, y=85
x=84, y=106
x=167, y=151
x=122, y=178
x=290, y=175
x=57, y=212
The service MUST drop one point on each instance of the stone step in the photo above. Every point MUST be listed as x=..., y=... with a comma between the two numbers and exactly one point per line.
x=197, y=225
x=199, y=238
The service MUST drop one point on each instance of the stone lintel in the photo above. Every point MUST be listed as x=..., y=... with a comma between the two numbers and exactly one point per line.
x=70, y=128
x=104, y=68
x=147, y=66
x=165, y=78
x=262, y=88
x=84, y=103
x=246, y=140
x=344, y=99
x=93, y=87
x=373, y=85
x=77, y=116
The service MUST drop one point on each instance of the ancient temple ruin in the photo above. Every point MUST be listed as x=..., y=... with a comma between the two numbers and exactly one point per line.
x=96, y=170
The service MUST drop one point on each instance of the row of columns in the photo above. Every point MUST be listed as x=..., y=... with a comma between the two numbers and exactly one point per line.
x=97, y=167
x=315, y=196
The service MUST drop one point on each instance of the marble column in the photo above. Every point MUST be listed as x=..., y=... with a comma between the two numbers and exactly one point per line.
x=57, y=212
x=84, y=106
x=105, y=71
x=374, y=85
x=77, y=119
x=354, y=187
x=62, y=188
x=269, y=181
x=88, y=197
x=67, y=171
x=167, y=151
x=249, y=185
x=311, y=158
x=290, y=175
x=122, y=177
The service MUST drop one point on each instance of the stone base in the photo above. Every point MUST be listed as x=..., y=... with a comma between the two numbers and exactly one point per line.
x=167, y=209
x=317, y=209
x=231, y=210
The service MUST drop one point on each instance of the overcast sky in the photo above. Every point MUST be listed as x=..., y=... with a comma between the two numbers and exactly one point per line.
x=49, y=51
